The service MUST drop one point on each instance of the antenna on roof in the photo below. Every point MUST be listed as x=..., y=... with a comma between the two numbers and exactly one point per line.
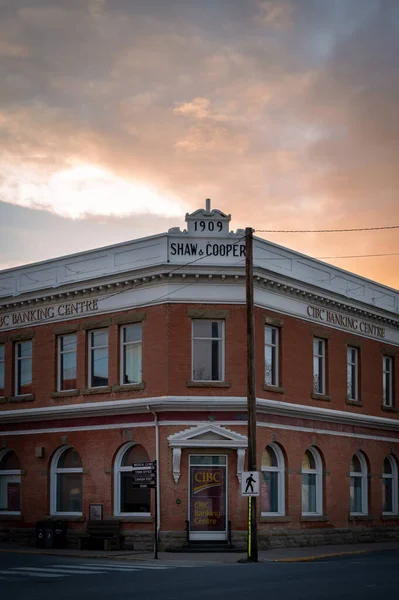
x=208, y=205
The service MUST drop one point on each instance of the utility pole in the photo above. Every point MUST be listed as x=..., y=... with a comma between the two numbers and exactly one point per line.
x=251, y=391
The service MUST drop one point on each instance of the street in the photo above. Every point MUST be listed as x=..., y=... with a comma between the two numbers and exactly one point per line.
x=363, y=577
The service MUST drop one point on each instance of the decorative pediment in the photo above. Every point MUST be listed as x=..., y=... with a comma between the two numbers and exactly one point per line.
x=207, y=436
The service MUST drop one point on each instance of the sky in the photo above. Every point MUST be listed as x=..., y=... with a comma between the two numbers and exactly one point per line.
x=119, y=116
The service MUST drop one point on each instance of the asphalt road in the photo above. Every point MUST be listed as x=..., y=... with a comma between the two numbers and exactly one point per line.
x=356, y=577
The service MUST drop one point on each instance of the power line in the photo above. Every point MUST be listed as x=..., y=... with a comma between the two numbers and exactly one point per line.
x=357, y=256
x=325, y=230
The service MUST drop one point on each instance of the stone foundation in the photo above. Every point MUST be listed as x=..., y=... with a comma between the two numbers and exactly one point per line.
x=176, y=540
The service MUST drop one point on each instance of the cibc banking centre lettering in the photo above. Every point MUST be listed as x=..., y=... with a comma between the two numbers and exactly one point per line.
x=36, y=315
x=334, y=318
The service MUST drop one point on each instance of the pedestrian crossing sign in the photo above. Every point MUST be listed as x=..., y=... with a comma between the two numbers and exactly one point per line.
x=250, y=483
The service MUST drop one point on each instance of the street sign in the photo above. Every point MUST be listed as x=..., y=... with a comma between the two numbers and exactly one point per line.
x=144, y=465
x=250, y=483
x=142, y=472
x=143, y=479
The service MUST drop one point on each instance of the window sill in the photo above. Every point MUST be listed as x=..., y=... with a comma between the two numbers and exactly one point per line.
x=129, y=387
x=313, y=519
x=3, y=399
x=207, y=384
x=63, y=517
x=133, y=519
x=25, y=398
x=273, y=388
x=274, y=519
x=323, y=397
x=65, y=394
x=389, y=408
x=360, y=518
x=353, y=402
x=11, y=517
x=106, y=389
x=390, y=517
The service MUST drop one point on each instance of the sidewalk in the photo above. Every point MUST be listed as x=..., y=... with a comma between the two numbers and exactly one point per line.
x=272, y=555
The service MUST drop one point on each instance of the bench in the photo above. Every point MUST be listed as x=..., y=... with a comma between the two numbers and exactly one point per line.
x=108, y=533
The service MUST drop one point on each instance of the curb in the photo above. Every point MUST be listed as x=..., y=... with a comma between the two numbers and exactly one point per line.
x=321, y=556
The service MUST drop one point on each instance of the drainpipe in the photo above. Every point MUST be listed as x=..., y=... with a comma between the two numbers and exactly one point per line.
x=158, y=506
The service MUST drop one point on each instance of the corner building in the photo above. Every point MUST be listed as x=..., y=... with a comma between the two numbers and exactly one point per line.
x=137, y=352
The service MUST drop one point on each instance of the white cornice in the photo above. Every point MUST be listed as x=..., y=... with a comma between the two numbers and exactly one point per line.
x=194, y=403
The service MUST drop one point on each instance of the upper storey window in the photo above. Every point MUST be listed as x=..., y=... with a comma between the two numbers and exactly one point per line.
x=319, y=365
x=23, y=368
x=208, y=350
x=353, y=374
x=67, y=362
x=98, y=358
x=2, y=362
x=131, y=354
x=272, y=355
x=387, y=380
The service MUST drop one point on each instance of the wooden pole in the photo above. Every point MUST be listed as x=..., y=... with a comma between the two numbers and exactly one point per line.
x=251, y=391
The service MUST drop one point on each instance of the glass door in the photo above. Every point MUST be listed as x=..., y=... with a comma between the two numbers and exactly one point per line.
x=208, y=497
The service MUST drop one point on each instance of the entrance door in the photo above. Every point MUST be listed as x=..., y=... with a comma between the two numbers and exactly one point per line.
x=208, y=497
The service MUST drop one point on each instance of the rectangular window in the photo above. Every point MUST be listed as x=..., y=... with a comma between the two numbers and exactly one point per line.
x=387, y=380
x=131, y=354
x=208, y=350
x=23, y=368
x=319, y=366
x=353, y=374
x=67, y=362
x=2, y=368
x=272, y=337
x=98, y=358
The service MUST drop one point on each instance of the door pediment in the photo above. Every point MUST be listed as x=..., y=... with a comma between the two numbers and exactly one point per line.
x=207, y=436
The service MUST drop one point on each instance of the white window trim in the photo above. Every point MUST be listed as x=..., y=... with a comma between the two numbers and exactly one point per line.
x=54, y=471
x=90, y=348
x=280, y=469
x=14, y=473
x=387, y=401
x=62, y=352
x=394, y=477
x=276, y=366
x=122, y=352
x=364, y=485
x=355, y=363
x=117, y=482
x=3, y=362
x=222, y=339
x=321, y=392
x=318, y=471
x=18, y=359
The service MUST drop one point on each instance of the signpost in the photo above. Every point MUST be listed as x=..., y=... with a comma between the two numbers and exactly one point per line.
x=250, y=488
x=144, y=475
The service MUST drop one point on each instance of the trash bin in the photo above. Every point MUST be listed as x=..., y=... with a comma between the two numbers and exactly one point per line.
x=40, y=534
x=51, y=534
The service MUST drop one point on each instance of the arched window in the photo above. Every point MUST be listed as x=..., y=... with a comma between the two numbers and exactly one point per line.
x=390, y=486
x=128, y=500
x=10, y=483
x=66, y=483
x=312, y=483
x=272, y=485
x=358, y=485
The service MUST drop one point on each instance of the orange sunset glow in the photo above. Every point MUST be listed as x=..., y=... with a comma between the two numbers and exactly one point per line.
x=119, y=116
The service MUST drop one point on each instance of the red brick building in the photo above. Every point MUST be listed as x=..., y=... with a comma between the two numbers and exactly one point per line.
x=138, y=352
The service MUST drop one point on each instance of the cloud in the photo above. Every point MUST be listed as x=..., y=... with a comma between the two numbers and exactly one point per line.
x=284, y=113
